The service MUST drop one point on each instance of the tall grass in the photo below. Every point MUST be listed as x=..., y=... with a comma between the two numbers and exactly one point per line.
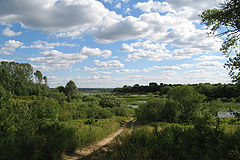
x=175, y=142
x=89, y=132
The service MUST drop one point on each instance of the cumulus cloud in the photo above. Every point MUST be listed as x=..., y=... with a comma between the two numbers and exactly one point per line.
x=154, y=6
x=102, y=72
x=197, y=5
x=6, y=60
x=10, y=46
x=206, y=58
x=97, y=77
x=188, y=51
x=210, y=64
x=192, y=8
x=74, y=17
x=96, y=51
x=162, y=68
x=108, y=64
x=65, y=17
x=56, y=60
x=121, y=29
x=89, y=69
x=118, y=5
x=146, y=50
x=127, y=71
x=48, y=46
x=10, y=33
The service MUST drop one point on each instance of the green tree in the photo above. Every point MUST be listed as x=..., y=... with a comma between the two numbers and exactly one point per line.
x=45, y=80
x=226, y=20
x=187, y=100
x=38, y=76
x=70, y=88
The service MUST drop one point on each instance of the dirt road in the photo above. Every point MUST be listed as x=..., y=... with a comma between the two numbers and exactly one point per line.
x=89, y=149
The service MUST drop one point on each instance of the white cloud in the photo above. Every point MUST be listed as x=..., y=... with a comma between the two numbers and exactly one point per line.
x=102, y=72
x=154, y=6
x=161, y=67
x=168, y=72
x=118, y=5
x=115, y=57
x=48, y=46
x=65, y=17
x=97, y=77
x=127, y=48
x=10, y=33
x=55, y=60
x=188, y=51
x=6, y=60
x=197, y=5
x=186, y=65
x=205, y=58
x=96, y=51
x=127, y=71
x=109, y=64
x=116, y=30
x=89, y=69
x=210, y=64
x=10, y=46
x=146, y=50
x=128, y=10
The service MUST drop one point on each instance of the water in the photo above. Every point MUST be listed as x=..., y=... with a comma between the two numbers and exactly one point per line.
x=86, y=94
x=226, y=114
x=142, y=101
x=132, y=106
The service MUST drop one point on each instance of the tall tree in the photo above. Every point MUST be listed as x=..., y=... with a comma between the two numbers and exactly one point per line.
x=45, y=80
x=38, y=76
x=70, y=88
x=226, y=20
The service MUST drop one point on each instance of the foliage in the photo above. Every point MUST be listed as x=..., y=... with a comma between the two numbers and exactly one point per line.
x=70, y=88
x=211, y=91
x=34, y=119
x=16, y=78
x=227, y=21
x=227, y=16
x=181, y=106
x=187, y=100
x=175, y=142
x=93, y=131
x=31, y=130
x=38, y=76
x=233, y=64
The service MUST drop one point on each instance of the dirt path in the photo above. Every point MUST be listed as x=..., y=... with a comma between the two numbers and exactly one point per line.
x=89, y=149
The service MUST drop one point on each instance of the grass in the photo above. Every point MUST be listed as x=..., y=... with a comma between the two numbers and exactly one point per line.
x=175, y=141
x=90, y=133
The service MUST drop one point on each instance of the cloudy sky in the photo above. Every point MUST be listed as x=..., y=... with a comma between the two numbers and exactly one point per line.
x=110, y=43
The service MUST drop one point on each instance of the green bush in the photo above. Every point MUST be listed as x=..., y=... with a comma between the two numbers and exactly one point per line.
x=176, y=142
x=31, y=130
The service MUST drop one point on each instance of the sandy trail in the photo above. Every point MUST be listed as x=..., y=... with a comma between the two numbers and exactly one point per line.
x=89, y=149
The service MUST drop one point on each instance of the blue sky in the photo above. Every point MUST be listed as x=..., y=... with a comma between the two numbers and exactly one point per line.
x=111, y=43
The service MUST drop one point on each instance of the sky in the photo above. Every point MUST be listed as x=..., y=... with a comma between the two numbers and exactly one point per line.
x=111, y=43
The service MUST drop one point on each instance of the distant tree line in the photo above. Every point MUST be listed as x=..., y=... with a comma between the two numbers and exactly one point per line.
x=211, y=91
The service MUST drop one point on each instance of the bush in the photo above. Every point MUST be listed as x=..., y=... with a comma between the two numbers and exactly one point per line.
x=187, y=101
x=176, y=142
x=31, y=130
